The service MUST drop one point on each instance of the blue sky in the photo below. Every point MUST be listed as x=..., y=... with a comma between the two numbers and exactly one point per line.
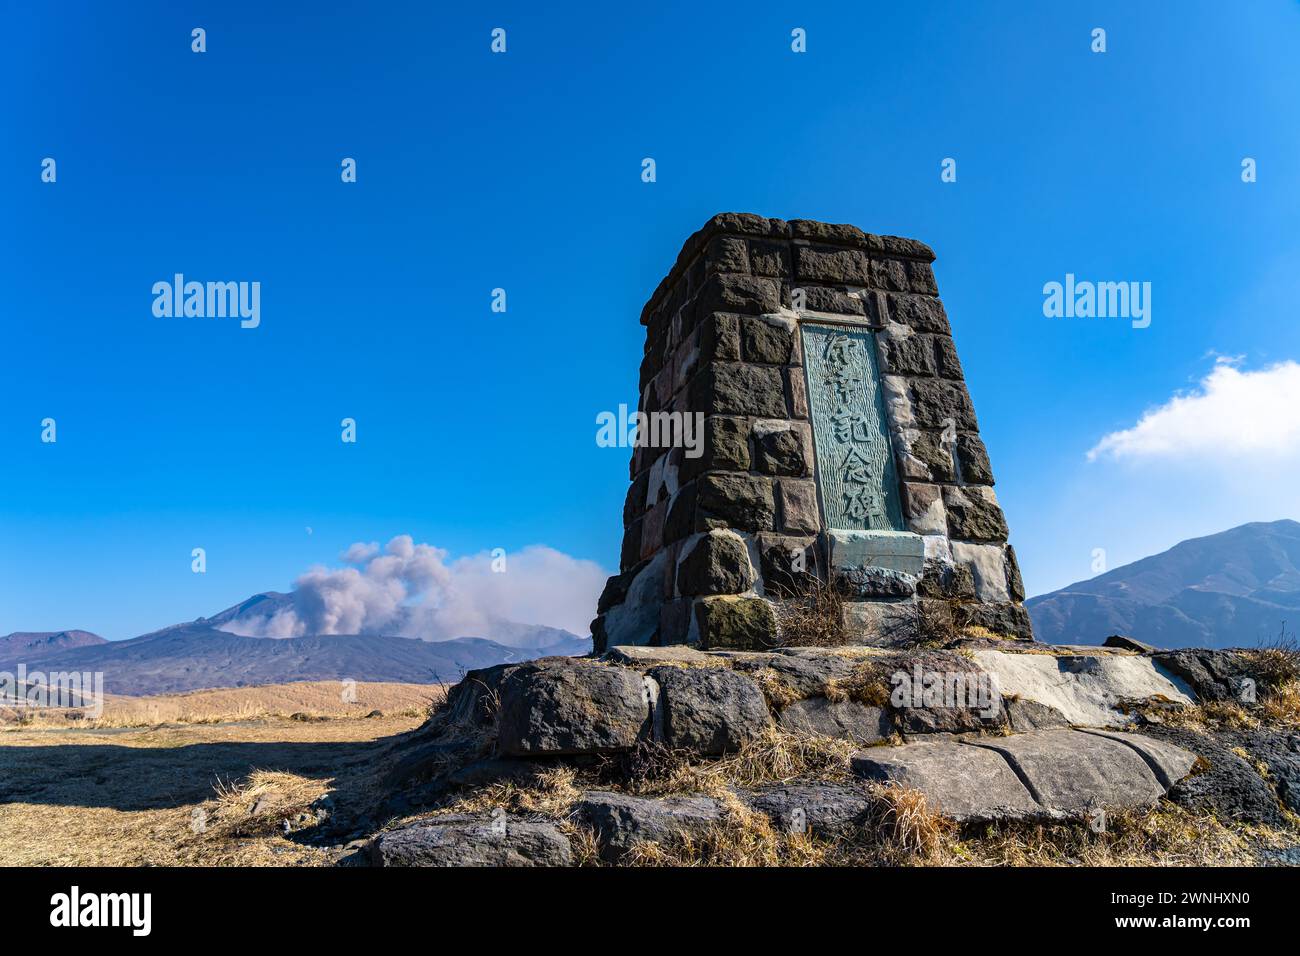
x=522, y=171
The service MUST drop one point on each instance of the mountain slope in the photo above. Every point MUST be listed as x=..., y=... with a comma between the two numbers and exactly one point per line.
x=193, y=657
x=22, y=644
x=1232, y=589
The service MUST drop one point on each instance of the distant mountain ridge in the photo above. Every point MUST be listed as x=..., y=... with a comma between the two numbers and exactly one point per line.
x=21, y=643
x=201, y=655
x=1231, y=589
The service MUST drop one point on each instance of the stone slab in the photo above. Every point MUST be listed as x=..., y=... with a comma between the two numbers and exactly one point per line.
x=1074, y=771
x=620, y=821
x=845, y=720
x=898, y=550
x=964, y=783
x=1168, y=762
x=1086, y=689
x=463, y=840
x=636, y=655
x=1046, y=773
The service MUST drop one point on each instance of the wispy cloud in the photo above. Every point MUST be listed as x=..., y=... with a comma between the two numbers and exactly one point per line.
x=412, y=590
x=1232, y=414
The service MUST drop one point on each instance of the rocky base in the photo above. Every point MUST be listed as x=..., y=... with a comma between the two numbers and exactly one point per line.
x=983, y=732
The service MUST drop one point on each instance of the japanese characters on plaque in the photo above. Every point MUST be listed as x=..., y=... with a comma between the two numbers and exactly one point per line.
x=855, y=465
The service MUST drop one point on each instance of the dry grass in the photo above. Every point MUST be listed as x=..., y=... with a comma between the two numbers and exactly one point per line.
x=1163, y=835
x=129, y=797
x=309, y=698
x=742, y=838
x=774, y=757
x=867, y=684
x=812, y=615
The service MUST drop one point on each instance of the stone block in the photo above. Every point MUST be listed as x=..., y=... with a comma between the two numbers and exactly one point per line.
x=680, y=520
x=634, y=617
x=1015, y=584
x=768, y=342
x=564, y=705
x=920, y=278
x=835, y=301
x=798, y=389
x=726, y=254
x=844, y=720
x=716, y=562
x=719, y=338
x=826, y=810
x=963, y=783
x=922, y=313
x=987, y=566
x=800, y=513
x=725, y=448
x=747, y=295
x=923, y=508
x=904, y=352
x=739, y=389
x=709, y=710
x=889, y=275
x=782, y=447
x=742, y=502
x=1070, y=771
x=940, y=403
x=768, y=258
x=973, y=458
x=973, y=514
x=620, y=821
x=946, y=363
x=467, y=840
x=899, y=550
x=730, y=623
x=828, y=264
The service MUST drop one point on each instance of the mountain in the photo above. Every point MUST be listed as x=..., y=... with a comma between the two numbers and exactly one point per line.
x=194, y=657
x=20, y=644
x=1232, y=589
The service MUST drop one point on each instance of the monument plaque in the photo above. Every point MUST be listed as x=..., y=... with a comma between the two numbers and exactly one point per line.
x=855, y=465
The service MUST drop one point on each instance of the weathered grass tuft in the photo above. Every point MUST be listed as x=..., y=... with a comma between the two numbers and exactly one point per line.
x=812, y=615
x=775, y=757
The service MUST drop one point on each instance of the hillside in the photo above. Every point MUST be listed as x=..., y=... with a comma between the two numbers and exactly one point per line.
x=1231, y=589
x=193, y=657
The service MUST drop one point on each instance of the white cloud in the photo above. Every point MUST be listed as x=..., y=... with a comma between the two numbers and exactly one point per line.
x=1231, y=415
x=411, y=590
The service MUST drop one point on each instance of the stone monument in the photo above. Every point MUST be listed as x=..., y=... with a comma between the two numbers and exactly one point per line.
x=838, y=445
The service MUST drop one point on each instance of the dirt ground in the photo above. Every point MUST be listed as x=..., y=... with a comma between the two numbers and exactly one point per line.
x=205, y=794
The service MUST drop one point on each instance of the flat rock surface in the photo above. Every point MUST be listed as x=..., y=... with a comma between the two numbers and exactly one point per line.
x=464, y=840
x=1086, y=688
x=619, y=821
x=824, y=809
x=1073, y=771
x=1168, y=762
x=964, y=783
x=846, y=719
x=1041, y=773
x=635, y=655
